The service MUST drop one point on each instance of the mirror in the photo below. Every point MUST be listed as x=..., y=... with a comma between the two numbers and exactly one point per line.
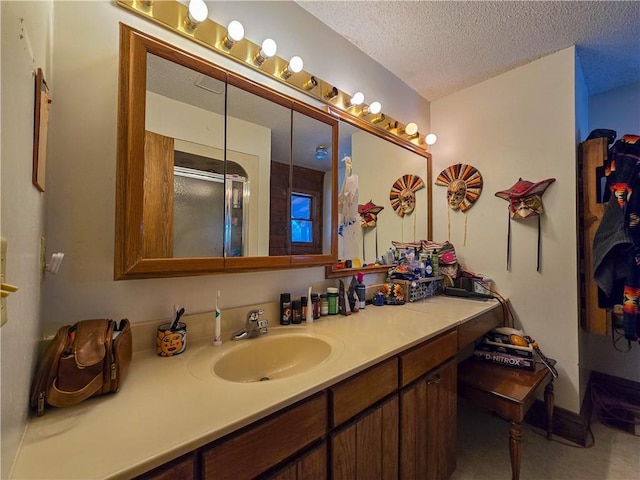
x=218, y=173
x=212, y=168
x=376, y=164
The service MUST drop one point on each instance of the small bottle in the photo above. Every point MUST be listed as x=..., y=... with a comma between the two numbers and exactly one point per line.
x=324, y=305
x=296, y=311
x=361, y=291
x=285, y=309
x=315, y=302
x=428, y=268
x=435, y=263
x=332, y=298
x=303, y=303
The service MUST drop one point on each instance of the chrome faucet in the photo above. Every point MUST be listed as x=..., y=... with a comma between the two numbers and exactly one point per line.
x=254, y=326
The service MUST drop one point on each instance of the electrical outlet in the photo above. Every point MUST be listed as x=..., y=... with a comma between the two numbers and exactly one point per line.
x=3, y=276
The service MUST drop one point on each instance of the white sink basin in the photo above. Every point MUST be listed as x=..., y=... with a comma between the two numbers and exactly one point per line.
x=271, y=357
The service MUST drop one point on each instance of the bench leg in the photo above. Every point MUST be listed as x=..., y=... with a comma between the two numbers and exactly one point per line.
x=515, y=436
x=548, y=400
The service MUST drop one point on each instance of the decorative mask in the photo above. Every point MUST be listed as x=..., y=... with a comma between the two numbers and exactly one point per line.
x=456, y=191
x=369, y=214
x=525, y=198
x=464, y=185
x=403, y=194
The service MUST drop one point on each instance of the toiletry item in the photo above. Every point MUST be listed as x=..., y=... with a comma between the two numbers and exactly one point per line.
x=351, y=295
x=309, y=312
x=296, y=311
x=355, y=302
x=361, y=291
x=435, y=263
x=217, y=338
x=303, y=309
x=324, y=305
x=315, y=302
x=176, y=321
x=332, y=299
x=343, y=300
x=428, y=268
x=285, y=308
x=378, y=299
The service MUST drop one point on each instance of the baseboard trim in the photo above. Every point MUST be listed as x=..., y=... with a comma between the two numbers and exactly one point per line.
x=613, y=394
x=568, y=425
x=573, y=426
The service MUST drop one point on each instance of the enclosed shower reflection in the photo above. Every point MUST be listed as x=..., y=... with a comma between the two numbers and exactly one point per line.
x=209, y=213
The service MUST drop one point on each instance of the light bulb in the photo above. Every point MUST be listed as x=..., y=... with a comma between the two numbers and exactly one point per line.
x=235, y=30
x=431, y=139
x=267, y=50
x=197, y=13
x=375, y=108
x=235, y=33
x=295, y=64
x=356, y=99
x=411, y=128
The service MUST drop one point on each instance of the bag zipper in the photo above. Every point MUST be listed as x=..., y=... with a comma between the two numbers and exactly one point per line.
x=109, y=358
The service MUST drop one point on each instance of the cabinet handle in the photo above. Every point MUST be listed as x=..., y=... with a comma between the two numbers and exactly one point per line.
x=435, y=379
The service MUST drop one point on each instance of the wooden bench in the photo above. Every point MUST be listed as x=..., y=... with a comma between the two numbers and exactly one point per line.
x=509, y=392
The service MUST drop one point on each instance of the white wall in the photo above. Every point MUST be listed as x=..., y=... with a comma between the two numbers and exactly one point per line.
x=26, y=40
x=619, y=110
x=519, y=124
x=80, y=196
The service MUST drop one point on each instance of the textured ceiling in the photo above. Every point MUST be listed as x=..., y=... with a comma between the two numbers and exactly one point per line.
x=439, y=47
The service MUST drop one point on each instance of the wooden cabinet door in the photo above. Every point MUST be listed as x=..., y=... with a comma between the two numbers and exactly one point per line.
x=367, y=449
x=311, y=466
x=181, y=469
x=428, y=422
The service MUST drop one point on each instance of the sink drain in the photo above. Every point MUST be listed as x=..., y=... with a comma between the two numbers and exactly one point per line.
x=264, y=379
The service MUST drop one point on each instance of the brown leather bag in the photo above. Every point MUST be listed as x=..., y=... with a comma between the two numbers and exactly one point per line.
x=87, y=359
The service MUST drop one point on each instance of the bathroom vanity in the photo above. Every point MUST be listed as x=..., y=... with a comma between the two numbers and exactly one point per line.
x=381, y=404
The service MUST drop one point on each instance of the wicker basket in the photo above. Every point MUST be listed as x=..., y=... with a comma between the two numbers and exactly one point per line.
x=421, y=288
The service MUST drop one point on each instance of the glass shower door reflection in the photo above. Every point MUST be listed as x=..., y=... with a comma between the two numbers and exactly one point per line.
x=201, y=228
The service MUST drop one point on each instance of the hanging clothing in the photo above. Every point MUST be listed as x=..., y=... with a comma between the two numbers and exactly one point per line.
x=616, y=245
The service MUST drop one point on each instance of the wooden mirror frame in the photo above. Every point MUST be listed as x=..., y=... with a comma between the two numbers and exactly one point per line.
x=130, y=261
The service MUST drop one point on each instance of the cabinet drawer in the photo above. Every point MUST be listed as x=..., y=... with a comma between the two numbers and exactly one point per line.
x=363, y=390
x=427, y=356
x=474, y=329
x=259, y=448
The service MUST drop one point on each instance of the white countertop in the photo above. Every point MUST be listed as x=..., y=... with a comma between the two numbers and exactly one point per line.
x=170, y=406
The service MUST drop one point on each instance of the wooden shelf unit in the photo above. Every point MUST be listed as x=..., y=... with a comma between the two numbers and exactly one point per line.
x=591, y=155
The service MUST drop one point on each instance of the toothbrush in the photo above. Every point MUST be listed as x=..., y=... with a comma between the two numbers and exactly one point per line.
x=217, y=340
x=176, y=321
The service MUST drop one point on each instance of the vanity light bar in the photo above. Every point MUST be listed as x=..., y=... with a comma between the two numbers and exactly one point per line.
x=174, y=16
